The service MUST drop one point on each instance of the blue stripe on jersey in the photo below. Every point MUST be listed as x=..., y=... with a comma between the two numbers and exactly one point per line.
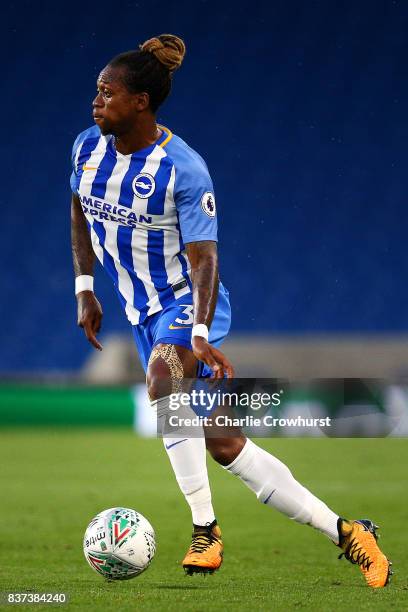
x=126, y=259
x=126, y=190
x=155, y=205
x=103, y=173
x=108, y=262
x=157, y=266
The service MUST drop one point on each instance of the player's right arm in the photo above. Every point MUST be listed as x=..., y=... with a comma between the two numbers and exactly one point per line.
x=89, y=308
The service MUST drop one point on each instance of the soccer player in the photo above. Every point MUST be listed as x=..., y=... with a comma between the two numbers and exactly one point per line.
x=143, y=203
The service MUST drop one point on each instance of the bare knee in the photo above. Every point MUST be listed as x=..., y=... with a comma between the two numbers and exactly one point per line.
x=158, y=383
x=225, y=450
x=164, y=372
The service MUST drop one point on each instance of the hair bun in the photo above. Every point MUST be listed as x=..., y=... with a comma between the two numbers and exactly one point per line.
x=167, y=48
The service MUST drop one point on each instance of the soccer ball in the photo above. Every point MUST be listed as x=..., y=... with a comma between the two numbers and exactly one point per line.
x=119, y=543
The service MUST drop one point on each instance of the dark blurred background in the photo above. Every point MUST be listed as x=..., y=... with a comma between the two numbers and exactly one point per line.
x=299, y=109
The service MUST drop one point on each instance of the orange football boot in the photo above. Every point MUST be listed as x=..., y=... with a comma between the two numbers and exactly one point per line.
x=205, y=553
x=358, y=539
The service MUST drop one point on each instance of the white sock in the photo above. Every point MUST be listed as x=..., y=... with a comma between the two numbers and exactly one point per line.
x=189, y=462
x=274, y=485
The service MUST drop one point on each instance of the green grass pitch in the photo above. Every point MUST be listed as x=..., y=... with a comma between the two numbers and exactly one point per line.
x=54, y=481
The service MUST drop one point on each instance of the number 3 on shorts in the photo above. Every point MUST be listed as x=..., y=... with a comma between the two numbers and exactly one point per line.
x=188, y=311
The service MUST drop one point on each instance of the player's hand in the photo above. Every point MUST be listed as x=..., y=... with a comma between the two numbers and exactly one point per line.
x=90, y=316
x=214, y=358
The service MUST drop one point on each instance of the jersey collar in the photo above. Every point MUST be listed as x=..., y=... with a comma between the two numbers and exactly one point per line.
x=165, y=137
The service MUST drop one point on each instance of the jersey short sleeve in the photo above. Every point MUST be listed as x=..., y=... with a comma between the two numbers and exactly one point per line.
x=74, y=180
x=90, y=135
x=195, y=201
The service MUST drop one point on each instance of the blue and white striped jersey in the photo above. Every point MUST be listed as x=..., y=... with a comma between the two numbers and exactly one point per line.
x=141, y=210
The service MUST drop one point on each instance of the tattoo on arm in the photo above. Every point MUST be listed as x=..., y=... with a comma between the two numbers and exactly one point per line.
x=82, y=252
x=204, y=268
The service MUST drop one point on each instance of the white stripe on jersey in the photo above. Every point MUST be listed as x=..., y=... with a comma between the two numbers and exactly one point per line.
x=172, y=239
x=125, y=284
x=115, y=180
x=140, y=257
x=92, y=163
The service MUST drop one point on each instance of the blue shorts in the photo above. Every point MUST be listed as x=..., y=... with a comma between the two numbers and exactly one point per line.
x=173, y=325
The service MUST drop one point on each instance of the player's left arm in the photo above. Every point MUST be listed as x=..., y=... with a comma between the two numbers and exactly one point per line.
x=204, y=271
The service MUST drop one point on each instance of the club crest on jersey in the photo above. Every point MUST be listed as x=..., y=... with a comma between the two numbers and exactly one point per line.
x=143, y=185
x=208, y=204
